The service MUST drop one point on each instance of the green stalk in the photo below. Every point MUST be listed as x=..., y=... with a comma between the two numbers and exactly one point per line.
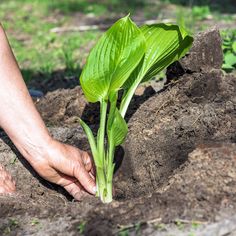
x=111, y=166
x=101, y=172
x=126, y=100
x=101, y=131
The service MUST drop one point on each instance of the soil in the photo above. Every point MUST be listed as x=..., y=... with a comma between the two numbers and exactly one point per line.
x=178, y=162
x=163, y=174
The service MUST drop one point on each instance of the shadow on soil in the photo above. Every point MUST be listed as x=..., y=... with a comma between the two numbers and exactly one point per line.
x=91, y=111
x=51, y=81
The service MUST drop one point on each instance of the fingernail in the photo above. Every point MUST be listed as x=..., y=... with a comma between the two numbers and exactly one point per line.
x=94, y=189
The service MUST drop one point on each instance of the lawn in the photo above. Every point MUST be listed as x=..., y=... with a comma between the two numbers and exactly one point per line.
x=39, y=50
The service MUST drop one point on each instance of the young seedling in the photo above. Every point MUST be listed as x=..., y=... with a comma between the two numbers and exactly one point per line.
x=124, y=56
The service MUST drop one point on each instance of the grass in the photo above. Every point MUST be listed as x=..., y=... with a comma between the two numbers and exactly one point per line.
x=37, y=49
x=28, y=24
x=34, y=222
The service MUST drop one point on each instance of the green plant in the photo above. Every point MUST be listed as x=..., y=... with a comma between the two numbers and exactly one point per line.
x=68, y=57
x=161, y=227
x=34, y=222
x=229, y=50
x=81, y=227
x=125, y=56
x=180, y=225
x=195, y=225
x=201, y=13
x=124, y=233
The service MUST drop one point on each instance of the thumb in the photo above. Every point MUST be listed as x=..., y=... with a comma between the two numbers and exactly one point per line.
x=85, y=178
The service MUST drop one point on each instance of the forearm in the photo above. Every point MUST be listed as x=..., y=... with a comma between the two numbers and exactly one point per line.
x=18, y=115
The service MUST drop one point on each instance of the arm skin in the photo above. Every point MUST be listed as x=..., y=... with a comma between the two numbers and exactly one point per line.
x=56, y=162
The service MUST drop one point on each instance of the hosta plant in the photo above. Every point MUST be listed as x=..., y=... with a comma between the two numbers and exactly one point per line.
x=125, y=56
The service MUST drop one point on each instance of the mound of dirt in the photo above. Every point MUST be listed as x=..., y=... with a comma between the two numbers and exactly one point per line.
x=157, y=179
x=62, y=106
x=200, y=189
x=199, y=109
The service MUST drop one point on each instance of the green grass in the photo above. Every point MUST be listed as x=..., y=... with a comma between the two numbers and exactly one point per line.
x=37, y=49
x=28, y=24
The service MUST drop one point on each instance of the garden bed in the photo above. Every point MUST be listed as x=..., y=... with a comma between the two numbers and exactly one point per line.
x=178, y=163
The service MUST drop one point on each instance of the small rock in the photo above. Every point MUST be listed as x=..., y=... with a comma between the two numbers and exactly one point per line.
x=35, y=93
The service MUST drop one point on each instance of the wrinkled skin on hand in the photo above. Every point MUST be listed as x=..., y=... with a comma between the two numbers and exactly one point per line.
x=7, y=185
x=68, y=167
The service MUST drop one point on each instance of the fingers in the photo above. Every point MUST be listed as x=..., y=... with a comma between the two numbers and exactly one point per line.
x=87, y=161
x=75, y=163
x=75, y=190
x=72, y=186
x=85, y=179
x=75, y=169
x=7, y=185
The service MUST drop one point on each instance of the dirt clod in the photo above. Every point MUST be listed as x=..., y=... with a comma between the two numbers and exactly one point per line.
x=205, y=53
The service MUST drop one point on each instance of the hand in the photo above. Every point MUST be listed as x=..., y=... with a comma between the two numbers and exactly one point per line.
x=54, y=161
x=67, y=166
x=7, y=185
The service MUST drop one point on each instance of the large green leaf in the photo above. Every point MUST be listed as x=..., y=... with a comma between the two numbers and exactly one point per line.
x=118, y=130
x=230, y=59
x=112, y=60
x=164, y=44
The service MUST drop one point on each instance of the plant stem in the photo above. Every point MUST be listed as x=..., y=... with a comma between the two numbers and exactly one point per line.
x=104, y=184
x=111, y=167
x=126, y=100
x=101, y=131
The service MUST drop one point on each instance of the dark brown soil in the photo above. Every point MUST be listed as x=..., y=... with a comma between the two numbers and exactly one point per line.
x=199, y=109
x=178, y=162
x=63, y=107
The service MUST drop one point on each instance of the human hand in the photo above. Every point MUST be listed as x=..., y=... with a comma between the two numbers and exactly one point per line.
x=54, y=161
x=66, y=166
x=7, y=185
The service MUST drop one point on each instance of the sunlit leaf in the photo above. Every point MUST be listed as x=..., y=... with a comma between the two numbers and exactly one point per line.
x=112, y=60
x=234, y=46
x=164, y=45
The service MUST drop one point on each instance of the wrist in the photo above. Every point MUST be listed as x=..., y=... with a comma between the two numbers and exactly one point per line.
x=34, y=148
